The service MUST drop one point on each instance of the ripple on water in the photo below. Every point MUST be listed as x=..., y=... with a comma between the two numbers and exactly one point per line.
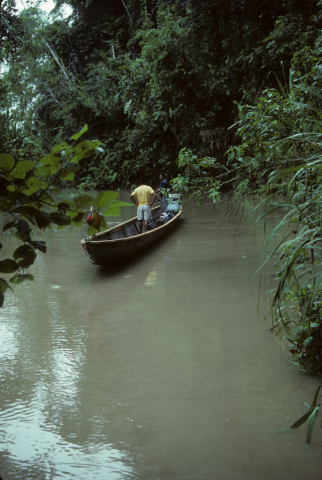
x=161, y=370
x=38, y=451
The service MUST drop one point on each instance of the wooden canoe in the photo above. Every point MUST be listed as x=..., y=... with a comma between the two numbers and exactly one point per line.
x=120, y=243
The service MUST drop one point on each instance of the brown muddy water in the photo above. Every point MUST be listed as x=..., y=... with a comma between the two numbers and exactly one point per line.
x=161, y=370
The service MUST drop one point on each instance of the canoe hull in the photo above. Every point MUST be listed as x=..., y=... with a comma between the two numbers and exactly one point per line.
x=113, y=252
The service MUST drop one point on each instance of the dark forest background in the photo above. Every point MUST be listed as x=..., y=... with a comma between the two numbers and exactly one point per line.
x=148, y=77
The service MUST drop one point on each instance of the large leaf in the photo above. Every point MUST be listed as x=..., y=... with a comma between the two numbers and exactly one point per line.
x=8, y=266
x=7, y=162
x=39, y=245
x=80, y=155
x=112, y=211
x=24, y=256
x=77, y=219
x=69, y=177
x=122, y=204
x=65, y=206
x=310, y=426
x=83, y=201
x=68, y=174
x=84, y=149
x=105, y=198
x=42, y=219
x=33, y=185
x=91, y=230
x=27, y=211
x=79, y=134
x=59, y=148
x=22, y=226
x=21, y=278
x=4, y=285
x=22, y=168
x=9, y=225
x=60, y=219
x=52, y=161
x=103, y=223
x=45, y=170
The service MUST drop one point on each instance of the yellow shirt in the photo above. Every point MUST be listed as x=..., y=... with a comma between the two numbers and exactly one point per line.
x=143, y=194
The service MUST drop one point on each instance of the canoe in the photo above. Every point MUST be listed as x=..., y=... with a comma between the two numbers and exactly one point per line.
x=123, y=242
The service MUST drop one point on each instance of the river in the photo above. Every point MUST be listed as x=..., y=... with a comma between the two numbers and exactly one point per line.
x=163, y=370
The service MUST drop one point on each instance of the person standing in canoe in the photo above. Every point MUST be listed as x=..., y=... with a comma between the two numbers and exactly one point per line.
x=163, y=184
x=143, y=194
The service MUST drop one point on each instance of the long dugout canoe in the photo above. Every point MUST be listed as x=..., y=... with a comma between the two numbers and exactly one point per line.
x=123, y=242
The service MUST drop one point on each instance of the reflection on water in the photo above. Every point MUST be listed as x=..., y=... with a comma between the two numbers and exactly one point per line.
x=158, y=370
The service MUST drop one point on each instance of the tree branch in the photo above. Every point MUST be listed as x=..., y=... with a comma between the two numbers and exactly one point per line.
x=127, y=12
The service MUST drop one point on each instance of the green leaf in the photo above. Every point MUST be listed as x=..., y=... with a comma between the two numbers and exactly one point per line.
x=33, y=185
x=78, y=220
x=310, y=427
x=60, y=219
x=79, y=134
x=64, y=206
x=122, y=204
x=105, y=198
x=51, y=161
x=9, y=225
x=60, y=147
x=112, y=211
x=69, y=177
x=45, y=170
x=38, y=245
x=103, y=223
x=315, y=398
x=83, y=201
x=91, y=230
x=22, y=226
x=27, y=211
x=22, y=168
x=42, y=219
x=4, y=285
x=68, y=174
x=8, y=266
x=21, y=278
x=24, y=256
x=7, y=162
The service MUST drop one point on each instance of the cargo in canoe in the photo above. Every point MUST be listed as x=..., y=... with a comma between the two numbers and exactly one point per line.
x=123, y=242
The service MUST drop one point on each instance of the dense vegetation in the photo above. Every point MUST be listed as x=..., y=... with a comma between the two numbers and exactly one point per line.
x=172, y=85
x=148, y=77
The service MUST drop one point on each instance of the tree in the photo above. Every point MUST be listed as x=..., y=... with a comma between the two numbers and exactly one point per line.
x=32, y=195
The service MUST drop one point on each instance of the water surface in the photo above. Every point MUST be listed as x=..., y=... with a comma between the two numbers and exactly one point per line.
x=160, y=370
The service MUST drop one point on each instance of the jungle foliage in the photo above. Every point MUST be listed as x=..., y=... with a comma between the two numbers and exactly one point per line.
x=33, y=199
x=280, y=156
x=149, y=77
